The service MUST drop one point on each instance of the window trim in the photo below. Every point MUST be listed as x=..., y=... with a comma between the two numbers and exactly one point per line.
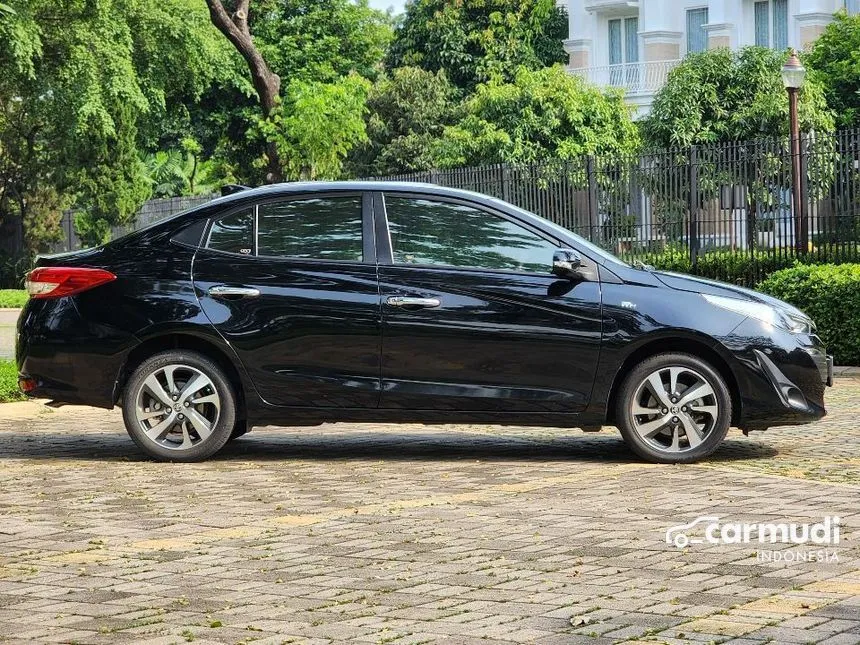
x=385, y=250
x=367, y=231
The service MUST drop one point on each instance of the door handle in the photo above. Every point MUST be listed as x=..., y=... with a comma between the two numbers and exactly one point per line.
x=223, y=291
x=417, y=303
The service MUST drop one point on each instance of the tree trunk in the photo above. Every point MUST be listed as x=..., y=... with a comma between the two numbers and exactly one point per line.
x=266, y=82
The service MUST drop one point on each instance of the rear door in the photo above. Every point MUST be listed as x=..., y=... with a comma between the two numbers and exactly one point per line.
x=291, y=284
x=472, y=317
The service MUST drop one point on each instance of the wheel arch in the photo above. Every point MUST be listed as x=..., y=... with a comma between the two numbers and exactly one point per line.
x=693, y=346
x=188, y=341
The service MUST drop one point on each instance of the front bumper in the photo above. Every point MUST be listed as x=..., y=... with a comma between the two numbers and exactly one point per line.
x=781, y=376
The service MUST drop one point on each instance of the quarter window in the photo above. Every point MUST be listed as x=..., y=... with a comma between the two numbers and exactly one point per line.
x=234, y=233
x=442, y=233
x=323, y=228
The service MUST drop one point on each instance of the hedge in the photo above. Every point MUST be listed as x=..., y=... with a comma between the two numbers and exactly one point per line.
x=13, y=298
x=9, y=382
x=745, y=267
x=830, y=294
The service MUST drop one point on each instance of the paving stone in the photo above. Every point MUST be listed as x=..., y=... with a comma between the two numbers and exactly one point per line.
x=384, y=533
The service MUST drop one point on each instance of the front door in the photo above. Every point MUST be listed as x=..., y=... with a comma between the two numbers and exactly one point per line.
x=291, y=285
x=472, y=317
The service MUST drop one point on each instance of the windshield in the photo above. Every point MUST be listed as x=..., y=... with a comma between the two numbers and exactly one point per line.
x=590, y=247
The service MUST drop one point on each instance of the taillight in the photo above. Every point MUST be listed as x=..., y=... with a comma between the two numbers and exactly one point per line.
x=54, y=282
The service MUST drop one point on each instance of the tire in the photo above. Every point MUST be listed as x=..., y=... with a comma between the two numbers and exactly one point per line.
x=202, y=414
x=678, y=426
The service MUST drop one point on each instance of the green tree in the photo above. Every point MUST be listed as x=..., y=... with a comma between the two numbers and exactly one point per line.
x=181, y=171
x=719, y=97
x=722, y=95
x=321, y=40
x=285, y=43
x=317, y=126
x=407, y=112
x=541, y=115
x=79, y=80
x=476, y=41
x=835, y=57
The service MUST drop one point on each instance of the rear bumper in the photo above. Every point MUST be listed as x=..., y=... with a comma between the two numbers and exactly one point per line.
x=64, y=357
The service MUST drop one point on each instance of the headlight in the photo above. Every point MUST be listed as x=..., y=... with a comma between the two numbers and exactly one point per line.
x=765, y=313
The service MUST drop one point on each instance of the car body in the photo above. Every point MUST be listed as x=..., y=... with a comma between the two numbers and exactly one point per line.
x=404, y=302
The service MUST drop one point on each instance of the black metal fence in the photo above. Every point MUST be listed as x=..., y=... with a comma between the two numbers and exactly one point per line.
x=706, y=209
x=722, y=210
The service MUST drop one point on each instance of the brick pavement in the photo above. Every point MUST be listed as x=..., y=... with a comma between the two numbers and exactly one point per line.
x=415, y=534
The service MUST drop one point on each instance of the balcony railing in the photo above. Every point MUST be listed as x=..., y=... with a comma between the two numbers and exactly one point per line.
x=635, y=78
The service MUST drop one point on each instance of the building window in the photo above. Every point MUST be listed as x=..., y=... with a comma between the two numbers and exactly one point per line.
x=616, y=45
x=697, y=37
x=771, y=24
x=624, y=49
x=780, y=24
x=623, y=40
x=852, y=6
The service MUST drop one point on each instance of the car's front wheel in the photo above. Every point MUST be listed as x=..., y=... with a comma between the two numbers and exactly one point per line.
x=179, y=406
x=673, y=408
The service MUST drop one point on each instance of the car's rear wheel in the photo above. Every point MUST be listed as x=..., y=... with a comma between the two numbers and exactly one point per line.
x=179, y=406
x=673, y=408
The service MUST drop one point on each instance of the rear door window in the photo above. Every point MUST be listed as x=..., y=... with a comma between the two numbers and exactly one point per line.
x=319, y=228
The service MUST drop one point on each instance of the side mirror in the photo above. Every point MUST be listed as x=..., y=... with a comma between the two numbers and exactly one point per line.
x=566, y=263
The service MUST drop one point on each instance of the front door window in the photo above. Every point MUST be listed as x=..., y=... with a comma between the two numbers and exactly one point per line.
x=430, y=232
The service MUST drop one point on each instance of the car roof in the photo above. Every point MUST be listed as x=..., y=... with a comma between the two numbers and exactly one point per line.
x=288, y=188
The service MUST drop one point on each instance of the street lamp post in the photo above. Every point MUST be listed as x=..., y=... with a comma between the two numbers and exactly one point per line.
x=793, y=75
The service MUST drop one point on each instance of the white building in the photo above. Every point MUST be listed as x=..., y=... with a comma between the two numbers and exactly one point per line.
x=633, y=44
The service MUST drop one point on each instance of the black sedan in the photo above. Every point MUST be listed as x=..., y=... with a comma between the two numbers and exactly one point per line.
x=300, y=304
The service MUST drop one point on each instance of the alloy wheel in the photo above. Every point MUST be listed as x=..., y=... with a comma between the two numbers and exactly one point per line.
x=674, y=409
x=177, y=406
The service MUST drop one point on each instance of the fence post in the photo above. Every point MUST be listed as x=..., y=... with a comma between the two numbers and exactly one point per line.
x=506, y=182
x=592, y=197
x=694, y=207
x=70, y=230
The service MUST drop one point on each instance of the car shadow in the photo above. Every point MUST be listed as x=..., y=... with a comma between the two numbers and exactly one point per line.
x=269, y=445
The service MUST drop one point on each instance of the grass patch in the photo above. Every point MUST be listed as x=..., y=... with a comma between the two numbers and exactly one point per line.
x=9, y=382
x=15, y=298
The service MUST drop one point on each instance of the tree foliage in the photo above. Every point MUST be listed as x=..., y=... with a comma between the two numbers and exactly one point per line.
x=181, y=171
x=835, y=57
x=408, y=110
x=321, y=40
x=541, y=115
x=307, y=43
x=475, y=41
x=80, y=80
x=317, y=126
x=723, y=95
